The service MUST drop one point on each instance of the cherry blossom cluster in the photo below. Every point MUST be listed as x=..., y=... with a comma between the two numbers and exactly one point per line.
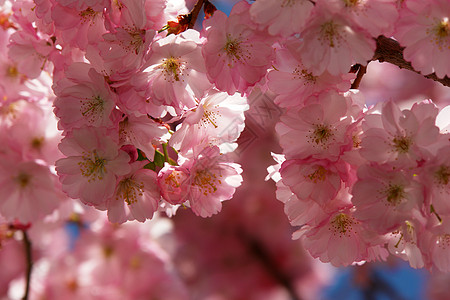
x=150, y=113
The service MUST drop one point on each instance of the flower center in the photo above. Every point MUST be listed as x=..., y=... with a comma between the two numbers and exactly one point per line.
x=93, y=168
x=206, y=181
x=350, y=3
x=440, y=33
x=172, y=67
x=303, y=73
x=23, y=179
x=87, y=15
x=442, y=175
x=329, y=32
x=394, y=194
x=92, y=108
x=322, y=133
x=402, y=144
x=342, y=224
x=287, y=3
x=319, y=174
x=129, y=190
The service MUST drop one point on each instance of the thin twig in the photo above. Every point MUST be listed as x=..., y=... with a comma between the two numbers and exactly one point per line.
x=389, y=50
x=269, y=265
x=29, y=261
x=194, y=13
x=361, y=71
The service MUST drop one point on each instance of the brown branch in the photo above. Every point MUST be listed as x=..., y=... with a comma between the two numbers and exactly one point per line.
x=361, y=71
x=261, y=254
x=389, y=50
x=194, y=13
x=29, y=261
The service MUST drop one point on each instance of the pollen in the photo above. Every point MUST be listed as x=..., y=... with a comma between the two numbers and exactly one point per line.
x=136, y=40
x=308, y=77
x=172, y=68
x=12, y=72
x=88, y=15
x=320, y=174
x=442, y=175
x=440, y=33
x=92, y=166
x=443, y=241
x=342, y=225
x=209, y=117
x=130, y=190
x=321, y=135
x=23, y=179
x=351, y=3
x=207, y=182
x=92, y=108
x=394, y=194
x=329, y=33
x=236, y=50
x=288, y=3
x=402, y=144
x=37, y=142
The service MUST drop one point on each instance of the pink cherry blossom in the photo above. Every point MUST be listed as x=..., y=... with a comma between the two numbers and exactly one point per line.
x=384, y=199
x=93, y=162
x=174, y=183
x=319, y=129
x=86, y=100
x=284, y=18
x=236, y=54
x=218, y=118
x=174, y=73
x=28, y=191
x=424, y=30
x=136, y=196
x=212, y=181
x=400, y=138
x=332, y=43
x=294, y=83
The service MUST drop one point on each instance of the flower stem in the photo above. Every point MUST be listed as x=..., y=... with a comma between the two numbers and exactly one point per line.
x=29, y=262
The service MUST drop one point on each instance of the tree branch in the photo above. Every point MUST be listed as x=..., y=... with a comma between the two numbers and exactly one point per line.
x=268, y=263
x=29, y=262
x=194, y=13
x=389, y=50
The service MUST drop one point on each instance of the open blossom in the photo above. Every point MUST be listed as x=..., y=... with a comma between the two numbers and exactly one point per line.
x=218, y=118
x=313, y=179
x=78, y=26
x=136, y=197
x=29, y=52
x=424, y=31
x=236, y=54
x=384, y=199
x=212, y=181
x=375, y=16
x=403, y=243
x=93, y=162
x=400, y=138
x=281, y=17
x=332, y=43
x=294, y=83
x=435, y=175
x=174, y=73
x=338, y=239
x=435, y=245
x=84, y=100
x=320, y=129
x=28, y=191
